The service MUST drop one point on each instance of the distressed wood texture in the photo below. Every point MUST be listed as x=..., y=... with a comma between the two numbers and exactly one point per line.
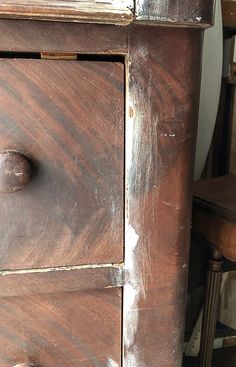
x=64, y=329
x=164, y=79
x=33, y=36
x=192, y=13
x=67, y=118
x=55, y=280
x=87, y=11
x=198, y=13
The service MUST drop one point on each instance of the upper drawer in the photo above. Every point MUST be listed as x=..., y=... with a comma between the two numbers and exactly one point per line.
x=67, y=118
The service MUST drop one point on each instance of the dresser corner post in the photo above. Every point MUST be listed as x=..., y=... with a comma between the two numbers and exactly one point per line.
x=163, y=82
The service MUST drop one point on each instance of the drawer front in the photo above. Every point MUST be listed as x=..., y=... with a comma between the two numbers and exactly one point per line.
x=66, y=118
x=74, y=329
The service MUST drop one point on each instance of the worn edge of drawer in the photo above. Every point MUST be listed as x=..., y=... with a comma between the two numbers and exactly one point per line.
x=61, y=279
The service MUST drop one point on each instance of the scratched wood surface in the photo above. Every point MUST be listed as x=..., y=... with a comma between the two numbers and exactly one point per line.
x=34, y=36
x=161, y=125
x=55, y=280
x=88, y=11
x=64, y=329
x=191, y=13
x=198, y=13
x=67, y=118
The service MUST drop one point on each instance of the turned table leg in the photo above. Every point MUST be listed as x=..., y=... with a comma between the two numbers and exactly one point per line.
x=210, y=310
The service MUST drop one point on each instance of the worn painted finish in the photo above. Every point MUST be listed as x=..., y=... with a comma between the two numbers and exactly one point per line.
x=73, y=205
x=161, y=125
x=198, y=13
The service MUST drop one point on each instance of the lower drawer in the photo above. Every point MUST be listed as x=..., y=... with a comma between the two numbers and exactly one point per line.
x=74, y=329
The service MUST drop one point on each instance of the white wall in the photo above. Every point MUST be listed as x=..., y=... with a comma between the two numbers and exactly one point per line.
x=210, y=89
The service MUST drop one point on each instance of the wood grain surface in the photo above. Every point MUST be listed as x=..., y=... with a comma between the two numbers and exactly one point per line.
x=191, y=13
x=64, y=329
x=34, y=36
x=164, y=79
x=64, y=279
x=218, y=232
x=87, y=11
x=67, y=118
x=217, y=195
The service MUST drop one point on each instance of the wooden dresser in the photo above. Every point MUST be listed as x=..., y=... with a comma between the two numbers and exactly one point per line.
x=97, y=140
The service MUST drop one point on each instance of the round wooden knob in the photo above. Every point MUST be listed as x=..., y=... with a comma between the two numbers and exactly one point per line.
x=15, y=171
x=24, y=365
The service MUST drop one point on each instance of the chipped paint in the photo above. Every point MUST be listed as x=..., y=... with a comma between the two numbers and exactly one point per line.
x=158, y=7
x=170, y=135
x=112, y=363
x=117, y=3
x=133, y=288
x=131, y=297
x=19, y=173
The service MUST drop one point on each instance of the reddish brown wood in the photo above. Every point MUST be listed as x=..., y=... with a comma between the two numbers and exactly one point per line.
x=33, y=36
x=214, y=213
x=67, y=117
x=54, y=280
x=87, y=11
x=229, y=13
x=218, y=231
x=161, y=126
x=15, y=171
x=217, y=195
x=64, y=329
x=163, y=69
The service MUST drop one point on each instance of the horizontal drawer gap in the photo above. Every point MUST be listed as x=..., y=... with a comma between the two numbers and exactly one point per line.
x=61, y=56
x=61, y=279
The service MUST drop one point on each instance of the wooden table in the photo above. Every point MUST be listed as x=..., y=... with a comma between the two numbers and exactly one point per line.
x=214, y=217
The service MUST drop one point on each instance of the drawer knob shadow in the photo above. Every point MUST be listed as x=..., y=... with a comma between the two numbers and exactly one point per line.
x=15, y=171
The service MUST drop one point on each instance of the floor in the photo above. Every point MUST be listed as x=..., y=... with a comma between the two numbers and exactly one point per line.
x=225, y=357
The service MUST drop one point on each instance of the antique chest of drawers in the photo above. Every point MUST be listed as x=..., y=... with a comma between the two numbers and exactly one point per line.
x=97, y=134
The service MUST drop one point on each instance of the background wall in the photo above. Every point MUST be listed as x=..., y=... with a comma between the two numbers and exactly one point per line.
x=210, y=89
